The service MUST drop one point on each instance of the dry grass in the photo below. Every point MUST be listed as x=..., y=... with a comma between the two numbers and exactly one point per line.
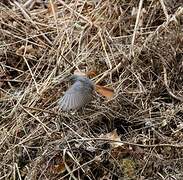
x=136, y=47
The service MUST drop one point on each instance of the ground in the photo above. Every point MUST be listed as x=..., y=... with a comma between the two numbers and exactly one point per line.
x=134, y=47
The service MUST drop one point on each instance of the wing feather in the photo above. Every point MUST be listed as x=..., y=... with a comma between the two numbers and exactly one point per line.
x=64, y=102
x=75, y=97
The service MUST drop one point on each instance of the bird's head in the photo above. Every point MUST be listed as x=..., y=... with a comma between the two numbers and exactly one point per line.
x=86, y=81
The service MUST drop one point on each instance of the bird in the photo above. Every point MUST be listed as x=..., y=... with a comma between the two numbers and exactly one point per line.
x=78, y=95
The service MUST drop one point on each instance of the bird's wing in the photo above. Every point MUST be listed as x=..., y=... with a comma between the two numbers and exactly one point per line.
x=75, y=97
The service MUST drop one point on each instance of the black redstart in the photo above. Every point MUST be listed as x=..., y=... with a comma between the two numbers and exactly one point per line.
x=79, y=94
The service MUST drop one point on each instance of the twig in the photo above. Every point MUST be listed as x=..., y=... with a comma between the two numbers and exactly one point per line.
x=75, y=12
x=31, y=74
x=29, y=18
x=177, y=14
x=129, y=143
x=36, y=118
x=135, y=29
x=42, y=110
x=103, y=46
x=109, y=71
x=164, y=9
x=168, y=88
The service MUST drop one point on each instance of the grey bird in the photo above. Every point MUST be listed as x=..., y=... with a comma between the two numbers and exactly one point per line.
x=79, y=94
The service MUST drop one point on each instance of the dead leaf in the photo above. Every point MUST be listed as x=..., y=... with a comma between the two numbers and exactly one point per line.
x=105, y=91
x=120, y=152
x=58, y=168
x=91, y=73
x=57, y=165
x=106, y=176
x=113, y=136
x=28, y=49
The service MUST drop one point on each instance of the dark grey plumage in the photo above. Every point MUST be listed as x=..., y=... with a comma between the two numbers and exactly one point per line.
x=79, y=94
